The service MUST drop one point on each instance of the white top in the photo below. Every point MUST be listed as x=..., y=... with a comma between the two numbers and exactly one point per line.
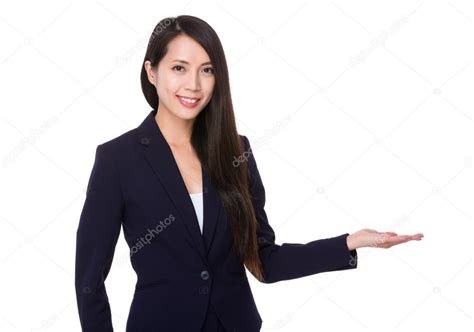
x=198, y=207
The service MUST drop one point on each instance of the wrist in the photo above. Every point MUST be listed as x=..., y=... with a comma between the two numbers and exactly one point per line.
x=350, y=242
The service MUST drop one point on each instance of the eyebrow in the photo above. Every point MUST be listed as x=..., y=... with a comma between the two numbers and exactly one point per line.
x=183, y=61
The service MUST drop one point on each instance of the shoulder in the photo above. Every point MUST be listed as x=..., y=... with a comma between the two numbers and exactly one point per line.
x=119, y=145
x=246, y=144
x=248, y=156
x=245, y=141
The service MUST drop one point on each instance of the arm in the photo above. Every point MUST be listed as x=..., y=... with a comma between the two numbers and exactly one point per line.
x=292, y=260
x=96, y=237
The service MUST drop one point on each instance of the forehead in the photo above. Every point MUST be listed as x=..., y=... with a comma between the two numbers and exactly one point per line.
x=185, y=48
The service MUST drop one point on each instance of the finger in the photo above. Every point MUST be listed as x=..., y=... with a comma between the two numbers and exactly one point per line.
x=404, y=238
x=397, y=239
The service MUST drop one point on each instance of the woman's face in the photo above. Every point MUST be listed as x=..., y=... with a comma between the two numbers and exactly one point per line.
x=185, y=71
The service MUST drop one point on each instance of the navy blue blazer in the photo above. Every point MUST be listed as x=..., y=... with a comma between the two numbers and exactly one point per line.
x=135, y=184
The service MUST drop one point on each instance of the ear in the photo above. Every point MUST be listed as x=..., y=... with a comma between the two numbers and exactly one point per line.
x=150, y=71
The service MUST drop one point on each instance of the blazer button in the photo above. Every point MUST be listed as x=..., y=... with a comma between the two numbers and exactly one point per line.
x=145, y=141
x=204, y=275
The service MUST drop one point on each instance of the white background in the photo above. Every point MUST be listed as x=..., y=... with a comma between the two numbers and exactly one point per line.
x=360, y=115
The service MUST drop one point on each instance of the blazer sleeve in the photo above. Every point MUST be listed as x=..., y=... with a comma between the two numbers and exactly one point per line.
x=96, y=237
x=292, y=260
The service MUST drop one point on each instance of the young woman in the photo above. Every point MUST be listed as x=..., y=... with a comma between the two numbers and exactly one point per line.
x=185, y=188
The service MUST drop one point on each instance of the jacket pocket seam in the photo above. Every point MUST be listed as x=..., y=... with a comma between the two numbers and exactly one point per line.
x=152, y=284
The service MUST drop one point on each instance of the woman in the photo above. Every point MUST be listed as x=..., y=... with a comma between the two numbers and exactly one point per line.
x=185, y=187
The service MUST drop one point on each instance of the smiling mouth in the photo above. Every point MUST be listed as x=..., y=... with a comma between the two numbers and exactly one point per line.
x=188, y=100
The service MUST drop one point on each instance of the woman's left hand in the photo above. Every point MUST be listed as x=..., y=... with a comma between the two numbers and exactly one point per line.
x=371, y=238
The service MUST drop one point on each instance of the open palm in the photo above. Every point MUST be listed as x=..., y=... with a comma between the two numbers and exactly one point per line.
x=371, y=238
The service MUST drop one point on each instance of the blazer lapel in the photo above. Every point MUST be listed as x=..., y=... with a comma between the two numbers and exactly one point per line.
x=158, y=154
x=212, y=208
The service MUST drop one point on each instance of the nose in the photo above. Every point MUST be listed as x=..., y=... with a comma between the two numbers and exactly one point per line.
x=194, y=83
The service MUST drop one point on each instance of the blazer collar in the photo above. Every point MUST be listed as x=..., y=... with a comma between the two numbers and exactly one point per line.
x=159, y=156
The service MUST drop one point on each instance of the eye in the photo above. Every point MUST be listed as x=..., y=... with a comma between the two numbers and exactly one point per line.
x=211, y=70
x=178, y=66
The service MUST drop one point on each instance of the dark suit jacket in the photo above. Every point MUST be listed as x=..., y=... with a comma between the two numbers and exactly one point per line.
x=135, y=184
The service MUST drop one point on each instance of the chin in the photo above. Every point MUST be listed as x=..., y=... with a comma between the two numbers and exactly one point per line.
x=187, y=114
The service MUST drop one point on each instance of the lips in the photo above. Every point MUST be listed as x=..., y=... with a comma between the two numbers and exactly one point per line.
x=188, y=102
x=188, y=99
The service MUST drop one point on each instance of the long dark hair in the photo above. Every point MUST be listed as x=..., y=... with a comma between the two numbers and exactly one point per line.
x=214, y=135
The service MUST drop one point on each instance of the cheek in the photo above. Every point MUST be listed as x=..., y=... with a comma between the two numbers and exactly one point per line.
x=210, y=88
x=167, y=88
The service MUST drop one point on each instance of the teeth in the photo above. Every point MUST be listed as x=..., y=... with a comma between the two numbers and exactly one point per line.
x=189, y=100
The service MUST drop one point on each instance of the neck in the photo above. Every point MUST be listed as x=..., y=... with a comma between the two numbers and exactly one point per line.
x=176, y=131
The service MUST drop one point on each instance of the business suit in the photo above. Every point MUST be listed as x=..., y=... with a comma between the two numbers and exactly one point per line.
x=135, y=184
